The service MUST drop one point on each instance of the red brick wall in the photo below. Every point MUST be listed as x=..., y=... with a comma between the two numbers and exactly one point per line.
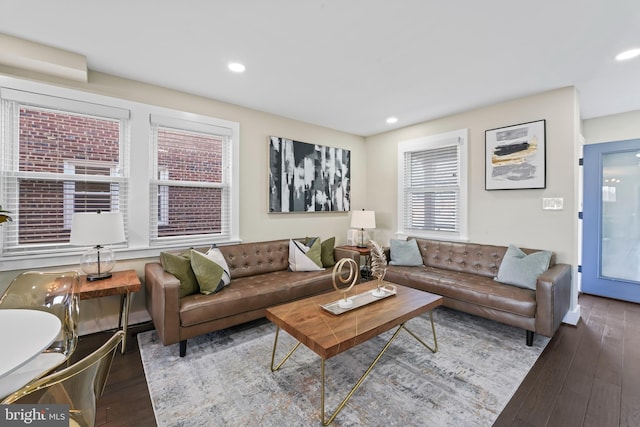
x=49, y=138
x=189, y=156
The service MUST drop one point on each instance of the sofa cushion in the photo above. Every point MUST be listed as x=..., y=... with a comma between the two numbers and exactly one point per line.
x=471, y=288
x=519, y=269
x=253, y=293
x=303, y=257
x=180, y=266
x=248, y=259
x=405, y=252
x=207, y=272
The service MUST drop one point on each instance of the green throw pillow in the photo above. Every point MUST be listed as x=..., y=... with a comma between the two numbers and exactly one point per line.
x=405, y=252
x=180, y=266
x=207, y=272
x=315, y=249
x=327, y=246
x=519, y=269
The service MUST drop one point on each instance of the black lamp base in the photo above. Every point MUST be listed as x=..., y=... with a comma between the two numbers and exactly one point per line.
x=98, y=276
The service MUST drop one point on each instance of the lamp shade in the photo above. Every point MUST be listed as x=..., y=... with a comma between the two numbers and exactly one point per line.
x=97, y=228
x=363, y=219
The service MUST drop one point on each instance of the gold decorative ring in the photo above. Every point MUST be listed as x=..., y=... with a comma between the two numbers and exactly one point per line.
x=352, y=275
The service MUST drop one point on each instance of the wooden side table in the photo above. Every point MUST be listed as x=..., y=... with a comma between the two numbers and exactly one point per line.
x=121, y=283
x=365, y=272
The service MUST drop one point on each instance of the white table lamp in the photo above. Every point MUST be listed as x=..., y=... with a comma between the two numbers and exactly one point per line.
x=363, y=220
x=97, y=229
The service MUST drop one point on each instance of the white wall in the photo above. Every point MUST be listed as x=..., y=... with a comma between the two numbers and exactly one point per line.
x=618, y=127
x=495, y=217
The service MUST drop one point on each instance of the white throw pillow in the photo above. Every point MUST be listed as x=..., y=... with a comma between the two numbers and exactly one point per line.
x=298, y=259
x=216, y=256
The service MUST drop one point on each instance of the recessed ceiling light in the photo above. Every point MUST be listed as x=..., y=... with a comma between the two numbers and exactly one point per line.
x=628, y=54
x=392, y=120
x=237, y=67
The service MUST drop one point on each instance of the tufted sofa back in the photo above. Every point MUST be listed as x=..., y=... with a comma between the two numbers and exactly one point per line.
x=249, y=259
x=483, y=260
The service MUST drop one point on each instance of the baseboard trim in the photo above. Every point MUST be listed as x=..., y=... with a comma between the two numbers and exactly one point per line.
x=572, y=317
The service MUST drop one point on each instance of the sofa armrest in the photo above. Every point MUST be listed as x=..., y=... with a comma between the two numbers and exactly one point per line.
x=339, y=253
x=553, y=296
x=163, y=302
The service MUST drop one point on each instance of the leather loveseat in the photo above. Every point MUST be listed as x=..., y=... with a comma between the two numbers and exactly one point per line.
x=259, y=279
x=463, y=274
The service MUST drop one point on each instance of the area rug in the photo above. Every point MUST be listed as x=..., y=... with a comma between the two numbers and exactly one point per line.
x=225, y=378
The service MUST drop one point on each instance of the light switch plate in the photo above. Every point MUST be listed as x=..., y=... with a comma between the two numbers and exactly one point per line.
x=552, y=203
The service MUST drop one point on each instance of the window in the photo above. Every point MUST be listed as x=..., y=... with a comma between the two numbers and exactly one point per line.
x=432, y=193
x=61, y=157
x=193, y=185
x=64, y=151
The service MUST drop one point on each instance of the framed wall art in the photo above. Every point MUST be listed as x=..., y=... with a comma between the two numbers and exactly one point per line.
x=515, y=157
x=306, y=177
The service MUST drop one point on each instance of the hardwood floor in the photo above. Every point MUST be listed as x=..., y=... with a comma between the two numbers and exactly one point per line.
x=125, y=401
x=589, y=375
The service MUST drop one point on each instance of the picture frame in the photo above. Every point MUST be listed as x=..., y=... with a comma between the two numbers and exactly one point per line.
x=305, y=177
x=515, y=157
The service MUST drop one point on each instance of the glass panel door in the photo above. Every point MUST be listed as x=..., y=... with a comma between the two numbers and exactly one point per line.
x=611, y=227
x=620, y=198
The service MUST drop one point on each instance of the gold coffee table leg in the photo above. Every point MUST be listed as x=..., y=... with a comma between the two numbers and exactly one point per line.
x=273, y=353
x=433, y=349
x=326, y=422
x=355, y=387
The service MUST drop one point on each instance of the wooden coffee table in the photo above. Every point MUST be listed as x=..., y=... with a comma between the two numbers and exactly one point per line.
x=328, y=334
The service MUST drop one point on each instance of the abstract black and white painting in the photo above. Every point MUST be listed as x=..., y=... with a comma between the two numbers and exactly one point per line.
x=307, y=177
x=515, y=157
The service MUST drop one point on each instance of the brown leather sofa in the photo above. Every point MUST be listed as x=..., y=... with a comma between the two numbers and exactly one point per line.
x=259, y=279
x=463, y=273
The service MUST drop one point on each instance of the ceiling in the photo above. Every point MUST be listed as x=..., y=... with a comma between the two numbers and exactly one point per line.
x=350, y=64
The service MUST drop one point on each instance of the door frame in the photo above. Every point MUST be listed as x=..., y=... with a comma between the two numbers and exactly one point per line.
x=592, y=281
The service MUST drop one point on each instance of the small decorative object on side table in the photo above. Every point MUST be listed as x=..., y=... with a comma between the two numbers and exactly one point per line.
x=121, y=283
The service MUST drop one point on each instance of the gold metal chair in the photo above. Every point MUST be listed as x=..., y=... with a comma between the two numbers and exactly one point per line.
x=79, y=386
x=53, y=292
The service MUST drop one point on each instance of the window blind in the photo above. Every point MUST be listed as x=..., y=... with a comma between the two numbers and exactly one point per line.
x=57, y=161
x=191, y=188
x=431, y=189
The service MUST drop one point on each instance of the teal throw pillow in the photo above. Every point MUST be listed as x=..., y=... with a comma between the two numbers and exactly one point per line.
x=519, y=269
x=207, y=272
x=405, y=252
x=180, y=266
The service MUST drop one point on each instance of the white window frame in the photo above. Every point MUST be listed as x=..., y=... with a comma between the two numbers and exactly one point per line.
x=12, y=98
x=139, y=175
x=210, y=126
x=458, y=138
